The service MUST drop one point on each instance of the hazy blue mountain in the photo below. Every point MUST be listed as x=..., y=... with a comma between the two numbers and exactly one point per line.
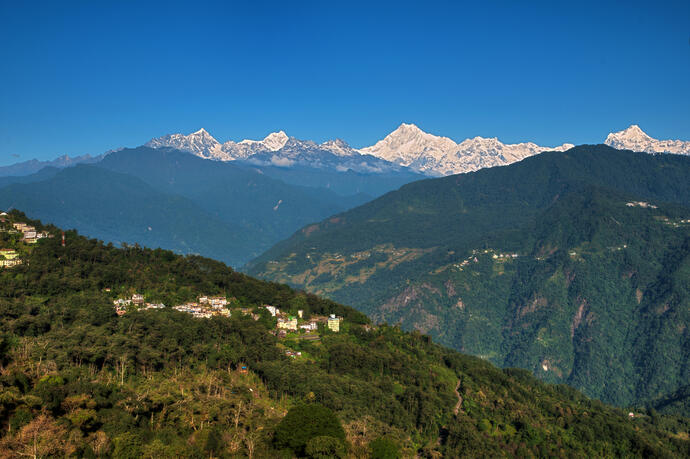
x=226, y=210
x=34, y=165
x=347, y=182
x=270, y=209
x=43, y=174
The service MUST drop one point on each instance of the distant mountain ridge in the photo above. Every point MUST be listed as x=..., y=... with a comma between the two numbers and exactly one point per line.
x=34, y=165
x=407, y=146
x=407, y=150
x=203, y=144
x=279, y=150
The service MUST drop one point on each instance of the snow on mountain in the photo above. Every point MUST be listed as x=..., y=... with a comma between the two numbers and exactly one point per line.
x=201, y=143
x=636, y=139
x=204, y=145
x=333, y=154
x=338, y=147
x=407, y=146
x=410, y=146
x=272, y=142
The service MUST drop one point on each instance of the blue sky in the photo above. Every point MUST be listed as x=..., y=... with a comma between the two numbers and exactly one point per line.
x=85, y=77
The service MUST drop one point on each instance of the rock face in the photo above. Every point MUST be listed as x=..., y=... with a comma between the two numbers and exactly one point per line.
x=636, y=139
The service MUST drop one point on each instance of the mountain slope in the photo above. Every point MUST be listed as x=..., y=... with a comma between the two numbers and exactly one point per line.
x=79, y=380
x=409, y=257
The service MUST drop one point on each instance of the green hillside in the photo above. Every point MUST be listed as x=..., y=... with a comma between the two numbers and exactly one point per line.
x=79, y=380
x=550, y=264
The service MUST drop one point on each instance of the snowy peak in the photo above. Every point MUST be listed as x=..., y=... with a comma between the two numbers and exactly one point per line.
x=338, y=147
x=410, y=146
x=272, y=142
x=635, y=139
x=633, y=134
x=407, y=129
x=200, y=143
x=275, y=140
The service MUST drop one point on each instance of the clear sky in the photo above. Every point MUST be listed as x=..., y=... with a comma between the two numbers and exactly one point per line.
x=85, y=77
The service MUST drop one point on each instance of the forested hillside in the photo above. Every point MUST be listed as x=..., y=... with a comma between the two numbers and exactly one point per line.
x=573, y=265
x=77, y=379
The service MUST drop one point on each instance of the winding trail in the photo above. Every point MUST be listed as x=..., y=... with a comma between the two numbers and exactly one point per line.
x=456, y=410
x=443, y=431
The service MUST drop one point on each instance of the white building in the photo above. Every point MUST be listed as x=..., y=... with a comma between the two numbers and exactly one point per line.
x=309, y=327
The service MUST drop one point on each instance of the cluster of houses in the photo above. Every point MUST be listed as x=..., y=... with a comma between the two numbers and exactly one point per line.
x=137, y=300
x=9, y=258
x=473, y=258
x=293, y=323
x=209, y=306
x=205, y=307
x=29, y=233
x=674, y=223
x=504, y=255
x=644, y=205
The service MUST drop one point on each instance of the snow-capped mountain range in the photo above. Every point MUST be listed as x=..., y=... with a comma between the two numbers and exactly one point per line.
x=407, y=146
x=202, y=144
x=277, y=149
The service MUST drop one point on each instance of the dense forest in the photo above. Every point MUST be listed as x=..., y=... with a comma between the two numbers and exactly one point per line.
x=573, y=265
x=77, y=380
